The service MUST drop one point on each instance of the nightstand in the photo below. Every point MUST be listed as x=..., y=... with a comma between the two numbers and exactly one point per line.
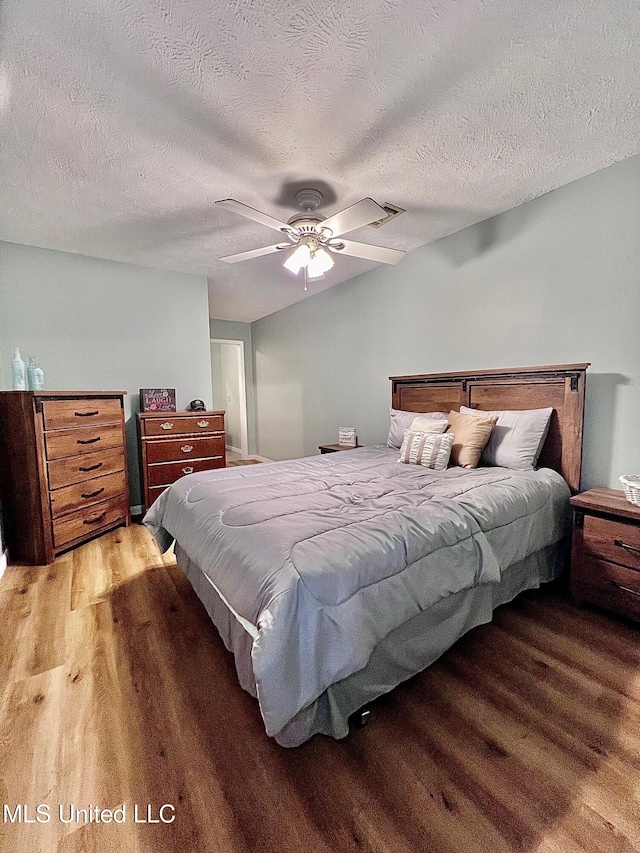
x=333, y=448
x=605, y=553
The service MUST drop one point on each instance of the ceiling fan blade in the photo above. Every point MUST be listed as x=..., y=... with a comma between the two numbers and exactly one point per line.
x=256, y=215
x=370, y=253
x=254, y=253
x=361, y=213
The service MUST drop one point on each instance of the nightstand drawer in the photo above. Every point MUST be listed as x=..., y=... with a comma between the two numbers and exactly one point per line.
x=612, y=540
x=609, y=585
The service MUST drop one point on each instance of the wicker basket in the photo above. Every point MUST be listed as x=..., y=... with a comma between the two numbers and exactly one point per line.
x=631, y=486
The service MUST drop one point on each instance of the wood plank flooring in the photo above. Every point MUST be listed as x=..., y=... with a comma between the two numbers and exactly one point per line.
x=116, y=689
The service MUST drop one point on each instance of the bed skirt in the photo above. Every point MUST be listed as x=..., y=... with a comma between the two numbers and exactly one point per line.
x=407, y=650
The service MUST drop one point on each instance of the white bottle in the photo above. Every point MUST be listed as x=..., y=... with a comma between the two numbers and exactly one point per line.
x=18, y=372
x=35, y=376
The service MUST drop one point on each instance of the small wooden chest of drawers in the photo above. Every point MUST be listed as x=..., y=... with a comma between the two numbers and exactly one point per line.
x=173, y=444
x=605, y=557
x=63, y=472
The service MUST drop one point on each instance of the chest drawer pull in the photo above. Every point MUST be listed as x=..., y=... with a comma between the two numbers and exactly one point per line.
x=186, y=448
x=203, y=424
x=626, y=547
x=95, y=519
x=92, y=494
x=91, y=467
x=86, y=414
x=87, y=440
x=625, y=588
x=167, y=425
x=188, y=469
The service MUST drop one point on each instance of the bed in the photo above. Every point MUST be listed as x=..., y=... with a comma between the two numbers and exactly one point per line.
x=334, y=578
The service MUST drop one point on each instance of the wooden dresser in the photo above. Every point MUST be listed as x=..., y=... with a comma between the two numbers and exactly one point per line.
x=62, y=470
x=173, y=444
x=605, y=556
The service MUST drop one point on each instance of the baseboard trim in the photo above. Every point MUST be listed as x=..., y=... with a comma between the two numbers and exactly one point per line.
x=231, y=449
x=261, y=458
x=3, y=563
x=136, y=510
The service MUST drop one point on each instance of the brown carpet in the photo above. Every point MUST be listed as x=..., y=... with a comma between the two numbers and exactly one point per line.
x=244, y=462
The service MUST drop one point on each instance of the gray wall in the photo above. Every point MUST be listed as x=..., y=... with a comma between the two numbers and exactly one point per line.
x=556, y=280
x=100, y=325
x=227, y=330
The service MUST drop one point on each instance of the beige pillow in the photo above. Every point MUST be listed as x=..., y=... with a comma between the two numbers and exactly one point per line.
x=471, y=434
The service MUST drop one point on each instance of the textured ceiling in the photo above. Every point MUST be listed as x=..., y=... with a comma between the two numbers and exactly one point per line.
x=122, y=121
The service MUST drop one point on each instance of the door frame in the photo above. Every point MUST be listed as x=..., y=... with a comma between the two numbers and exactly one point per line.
x=244, y=433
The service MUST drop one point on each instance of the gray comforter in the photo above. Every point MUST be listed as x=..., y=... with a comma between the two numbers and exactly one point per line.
x=320, y=558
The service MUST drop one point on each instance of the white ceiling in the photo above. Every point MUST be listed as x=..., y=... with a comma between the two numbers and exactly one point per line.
x=122, y=121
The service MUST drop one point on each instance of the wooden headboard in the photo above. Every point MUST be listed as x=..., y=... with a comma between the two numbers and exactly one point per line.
x=561, y=386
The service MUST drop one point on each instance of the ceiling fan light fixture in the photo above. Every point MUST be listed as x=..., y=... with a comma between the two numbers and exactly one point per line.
x=320, y=262
x=308, y=255
x=298, y=259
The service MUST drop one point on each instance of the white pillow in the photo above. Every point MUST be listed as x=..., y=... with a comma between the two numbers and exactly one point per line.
x=429, y=449
x=422, y=424
x=517, y=438
x=400, y=421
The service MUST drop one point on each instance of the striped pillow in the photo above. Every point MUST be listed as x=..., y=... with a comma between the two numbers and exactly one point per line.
x=429, y=449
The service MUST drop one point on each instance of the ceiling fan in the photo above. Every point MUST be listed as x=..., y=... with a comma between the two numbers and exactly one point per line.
x=312, y=239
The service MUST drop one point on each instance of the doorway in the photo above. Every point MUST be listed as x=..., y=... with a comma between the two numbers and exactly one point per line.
x=229, y=392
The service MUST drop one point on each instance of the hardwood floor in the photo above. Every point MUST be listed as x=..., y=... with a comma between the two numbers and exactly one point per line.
x=116, y=689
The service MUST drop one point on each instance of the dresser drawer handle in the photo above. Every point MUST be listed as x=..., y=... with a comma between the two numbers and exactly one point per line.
x=87, y=414
x=203, y=424
x=187, y=448
x=95, y=518
x=188, y=469
x=625, y=588
x=92, y=467
x=92, y=494
x=626, y=547
x=167, y=425
x=87, y=440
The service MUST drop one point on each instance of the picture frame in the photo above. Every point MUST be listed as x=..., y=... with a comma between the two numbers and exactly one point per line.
x=157, y=399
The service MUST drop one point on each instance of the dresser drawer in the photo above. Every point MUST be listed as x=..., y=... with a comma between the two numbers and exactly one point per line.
x=85, y=521
x=73, y=442
x=70, y=498
x=77, y=469
x=192, y=447
x=165, y=473
x=60, y=414
x=612, y=540
x=170, y=426
x=155, y=492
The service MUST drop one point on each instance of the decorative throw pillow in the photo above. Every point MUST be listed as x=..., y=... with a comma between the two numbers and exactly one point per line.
x=517, y=438
x=429, y=449
x=401, y=421
x=472, y=433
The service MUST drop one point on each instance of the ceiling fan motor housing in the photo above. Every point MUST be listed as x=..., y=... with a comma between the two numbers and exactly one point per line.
x=309, y=198
x=304, y=224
